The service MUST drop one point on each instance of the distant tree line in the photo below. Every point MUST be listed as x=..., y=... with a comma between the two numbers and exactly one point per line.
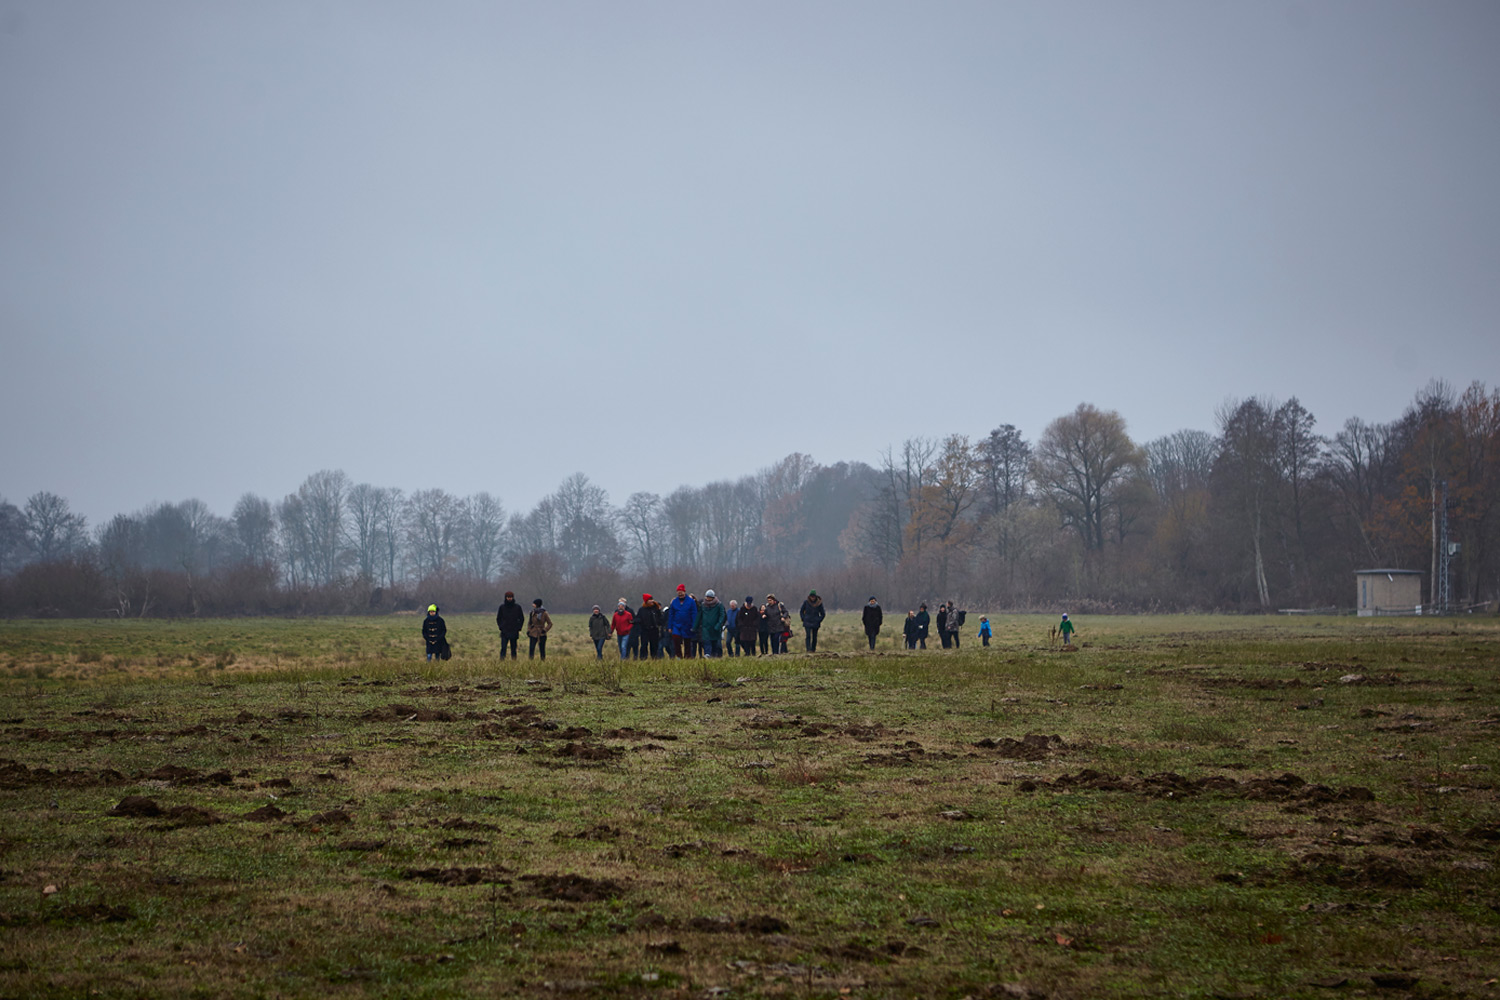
x=1265, y=513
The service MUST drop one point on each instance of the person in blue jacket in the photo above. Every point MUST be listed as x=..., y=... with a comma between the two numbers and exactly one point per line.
x=732, y=636
x=984, y=631
x=681, y=614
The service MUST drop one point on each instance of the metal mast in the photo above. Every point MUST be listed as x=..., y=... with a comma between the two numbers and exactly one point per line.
x=1444, y=594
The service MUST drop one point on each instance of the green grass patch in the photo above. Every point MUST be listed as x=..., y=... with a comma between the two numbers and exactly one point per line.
x=1184, y=807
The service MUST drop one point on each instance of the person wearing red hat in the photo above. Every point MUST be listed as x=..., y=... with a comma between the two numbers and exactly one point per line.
x=648, y=623
x=681, y=614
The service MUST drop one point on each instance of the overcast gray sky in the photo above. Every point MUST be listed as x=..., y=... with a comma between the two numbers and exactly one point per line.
x=485, y=245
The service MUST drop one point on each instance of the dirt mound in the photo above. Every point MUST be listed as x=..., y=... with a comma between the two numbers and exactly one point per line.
x=399, y=712
x=333, y=817
x=265, y=814
x=1169, y=784
x=17, y=775
x=136, y=807
x=636, y=735
x=573, y=888
x=1032, y=746
x=179, y=817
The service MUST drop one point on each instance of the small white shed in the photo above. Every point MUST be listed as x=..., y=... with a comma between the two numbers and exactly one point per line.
x=1388, y=592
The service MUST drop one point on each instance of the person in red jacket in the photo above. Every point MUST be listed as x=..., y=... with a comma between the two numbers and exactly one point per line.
x=621, y=624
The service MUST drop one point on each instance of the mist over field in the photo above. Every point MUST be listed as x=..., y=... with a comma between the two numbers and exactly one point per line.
x=358, y=305
x=1267, y=514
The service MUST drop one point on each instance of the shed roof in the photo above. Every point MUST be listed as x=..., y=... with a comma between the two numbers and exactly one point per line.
x=1392, y=572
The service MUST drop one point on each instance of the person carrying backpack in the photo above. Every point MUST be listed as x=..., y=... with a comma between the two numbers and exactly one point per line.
x=537, y=628
x=955, y=622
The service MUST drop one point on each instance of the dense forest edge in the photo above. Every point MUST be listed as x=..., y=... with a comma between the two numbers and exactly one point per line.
x=1265, y=514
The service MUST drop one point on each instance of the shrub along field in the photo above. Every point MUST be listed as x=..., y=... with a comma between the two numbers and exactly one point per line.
x=1184, y=807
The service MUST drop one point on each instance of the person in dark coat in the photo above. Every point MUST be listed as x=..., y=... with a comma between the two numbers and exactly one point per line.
x=435, y=632
x=747, y=624
x=922, y=622
x=510, y=619
x=598, y=631
x=813, y=613
x=763, y=629
x=648, y=624
x=776, y=616
x=910, y=629
x=942, y=625
x=872, y=616
x=955, y=622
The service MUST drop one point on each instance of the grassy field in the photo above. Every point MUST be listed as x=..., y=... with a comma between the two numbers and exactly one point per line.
x=1185, y=807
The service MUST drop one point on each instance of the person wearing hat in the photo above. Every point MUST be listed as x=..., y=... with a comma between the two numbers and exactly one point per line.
x=648, y=624
x=1066, y=631
x=510, y=619
x=872, y=616
x=435, y=632
x=921, y=623
x=778, y=623
x=537, y=628
x=623, y=625
x=599, y=629
x=813, y=613
x=681, y=614
x=747, y=626
x=709, y=626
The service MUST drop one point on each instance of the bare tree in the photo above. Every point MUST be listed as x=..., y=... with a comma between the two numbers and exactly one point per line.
x=482, y=536
x=364, y=503
x=641, y=518
x=1246, y=475
x=255, y=529
x=1082, y=462
x=53, y=531
x=324, y=495
x=433, y=520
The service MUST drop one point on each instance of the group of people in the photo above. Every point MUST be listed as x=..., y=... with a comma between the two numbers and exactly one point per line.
x=688, y=628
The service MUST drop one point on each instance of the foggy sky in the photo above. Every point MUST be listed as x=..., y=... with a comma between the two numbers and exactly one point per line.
x=481, y=246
